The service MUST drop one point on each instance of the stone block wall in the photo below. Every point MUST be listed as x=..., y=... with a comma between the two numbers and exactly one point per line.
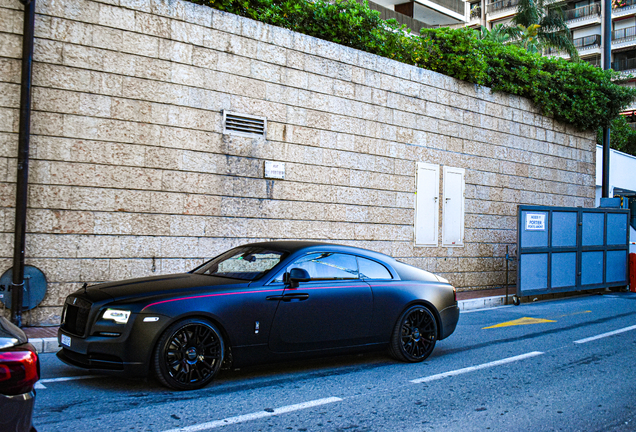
x=131, y=174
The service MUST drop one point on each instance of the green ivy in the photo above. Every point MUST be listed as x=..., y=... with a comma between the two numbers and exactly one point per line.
x=453, y=53
x=572, y=92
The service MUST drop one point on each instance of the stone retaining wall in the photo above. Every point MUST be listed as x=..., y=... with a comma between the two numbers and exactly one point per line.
x=131, y=174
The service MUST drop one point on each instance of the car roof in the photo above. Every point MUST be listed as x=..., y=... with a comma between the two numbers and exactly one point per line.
x=293, y=246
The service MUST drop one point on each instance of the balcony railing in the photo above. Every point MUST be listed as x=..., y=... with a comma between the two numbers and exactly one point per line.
x=501, y=5
x=587, y=42
x=624, y=34
x=552, y=51
x=475, y=13
x=386, y=14
x=624, y=65
x=596, y=61
x=454, y=5
x=582, y=12
x=580, y=44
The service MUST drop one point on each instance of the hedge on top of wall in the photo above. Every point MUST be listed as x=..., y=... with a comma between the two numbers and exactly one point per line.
x=572, y=92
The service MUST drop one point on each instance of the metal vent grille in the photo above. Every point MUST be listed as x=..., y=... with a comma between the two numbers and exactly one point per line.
x=243, y=124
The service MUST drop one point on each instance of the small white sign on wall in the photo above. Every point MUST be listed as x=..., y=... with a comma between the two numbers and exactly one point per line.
x=535, y=222
x=275, y=170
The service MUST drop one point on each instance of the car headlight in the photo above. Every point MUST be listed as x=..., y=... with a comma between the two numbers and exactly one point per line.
x=119, y=316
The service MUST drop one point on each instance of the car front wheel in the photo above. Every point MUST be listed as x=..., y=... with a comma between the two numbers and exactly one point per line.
x=189, y=354
x=414, y=335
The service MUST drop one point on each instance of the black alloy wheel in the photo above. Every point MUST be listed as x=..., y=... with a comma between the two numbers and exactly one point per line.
x=189, y=354
x=414, y=335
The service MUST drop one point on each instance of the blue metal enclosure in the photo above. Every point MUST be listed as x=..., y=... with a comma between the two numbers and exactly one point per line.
x=571, y=249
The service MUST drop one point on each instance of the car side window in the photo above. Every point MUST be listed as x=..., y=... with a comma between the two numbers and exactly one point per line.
x=326, y=266
x=372, y=270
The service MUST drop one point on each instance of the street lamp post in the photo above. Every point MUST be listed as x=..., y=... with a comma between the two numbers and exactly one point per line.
x=17, y=283
x=607, y=55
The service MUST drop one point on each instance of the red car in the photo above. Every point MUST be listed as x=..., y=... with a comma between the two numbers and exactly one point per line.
x=19, y=371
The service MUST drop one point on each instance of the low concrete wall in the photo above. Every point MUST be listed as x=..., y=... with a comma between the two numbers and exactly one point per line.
x=131, y=174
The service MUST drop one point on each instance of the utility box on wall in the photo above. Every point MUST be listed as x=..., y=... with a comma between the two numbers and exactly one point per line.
x=427, y=204
x=453, y=212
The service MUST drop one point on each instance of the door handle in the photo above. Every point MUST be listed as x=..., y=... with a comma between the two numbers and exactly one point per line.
x=299, y=296
x=289, y=297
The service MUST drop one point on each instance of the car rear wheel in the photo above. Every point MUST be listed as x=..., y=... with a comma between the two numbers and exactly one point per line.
x=189, y=354
x=414, y=335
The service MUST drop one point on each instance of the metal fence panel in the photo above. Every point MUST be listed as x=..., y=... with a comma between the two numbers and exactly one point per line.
x=571, y=249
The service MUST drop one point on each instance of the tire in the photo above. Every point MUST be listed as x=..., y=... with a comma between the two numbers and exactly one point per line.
x=188, y=354
x=414, y=335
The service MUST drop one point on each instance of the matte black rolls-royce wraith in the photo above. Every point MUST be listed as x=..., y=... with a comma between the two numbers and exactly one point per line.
x=254, y=303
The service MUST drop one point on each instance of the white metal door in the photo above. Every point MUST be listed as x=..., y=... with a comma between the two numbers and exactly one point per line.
x=453, y=210
x=427, y=204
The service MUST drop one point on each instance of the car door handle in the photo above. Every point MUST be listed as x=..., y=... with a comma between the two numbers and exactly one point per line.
x=289, y=297
x=296, y=296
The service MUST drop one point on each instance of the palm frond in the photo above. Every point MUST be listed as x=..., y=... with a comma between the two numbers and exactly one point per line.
x=552, y=30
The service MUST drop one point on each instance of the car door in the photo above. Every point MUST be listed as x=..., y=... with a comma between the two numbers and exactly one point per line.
x=332, y=310
x=389, y=300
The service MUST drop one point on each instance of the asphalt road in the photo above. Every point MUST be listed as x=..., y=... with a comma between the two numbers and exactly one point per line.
x=543, y=374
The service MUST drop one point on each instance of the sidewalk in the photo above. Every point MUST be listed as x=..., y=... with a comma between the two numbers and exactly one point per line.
x=45, y=338
x=480, y=299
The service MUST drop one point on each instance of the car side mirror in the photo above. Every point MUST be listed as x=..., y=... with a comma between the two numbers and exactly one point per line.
x=295, y=276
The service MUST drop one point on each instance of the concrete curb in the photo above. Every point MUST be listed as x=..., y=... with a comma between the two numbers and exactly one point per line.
x=482, y=303
x=50, y=345
x=45, y=345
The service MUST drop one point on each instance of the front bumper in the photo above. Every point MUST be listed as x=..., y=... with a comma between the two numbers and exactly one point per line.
x=128, y=354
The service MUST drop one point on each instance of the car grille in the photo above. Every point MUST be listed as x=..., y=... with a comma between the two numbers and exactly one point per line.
x=92, y=361
x=75, y=315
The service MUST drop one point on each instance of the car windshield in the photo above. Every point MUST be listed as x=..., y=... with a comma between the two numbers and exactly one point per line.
x=246, y=263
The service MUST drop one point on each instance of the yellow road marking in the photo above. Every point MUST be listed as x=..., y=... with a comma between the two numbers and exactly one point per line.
x=520, y=321
x=572, y=314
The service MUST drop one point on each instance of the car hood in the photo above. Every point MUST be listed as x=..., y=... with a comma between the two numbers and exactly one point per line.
x=143, y=288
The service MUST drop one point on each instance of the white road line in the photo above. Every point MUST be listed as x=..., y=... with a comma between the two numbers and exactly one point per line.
x=604, y=335
x=255, y=416
x=40, y=384
x=475, y=368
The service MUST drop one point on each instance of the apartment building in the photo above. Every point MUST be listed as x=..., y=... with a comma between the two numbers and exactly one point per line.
x=584, y=18
x=432, y=13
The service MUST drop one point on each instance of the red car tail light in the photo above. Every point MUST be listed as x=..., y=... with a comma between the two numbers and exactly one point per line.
x=19, y=370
